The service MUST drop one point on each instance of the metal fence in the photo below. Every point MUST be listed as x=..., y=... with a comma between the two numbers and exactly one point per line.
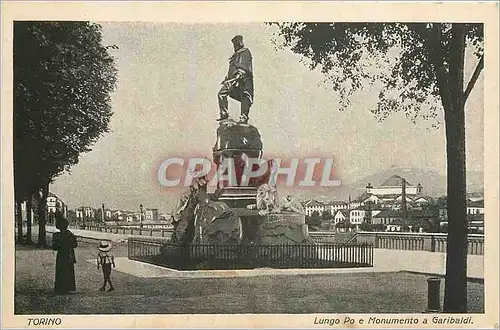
x=432, y=242
x=152, y=232
x=193, y=257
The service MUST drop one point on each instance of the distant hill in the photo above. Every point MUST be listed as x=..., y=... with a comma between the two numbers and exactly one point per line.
x=433, y=183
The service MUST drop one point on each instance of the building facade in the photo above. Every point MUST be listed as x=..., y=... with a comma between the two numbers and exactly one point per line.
x=340, y=216
x=357, y=216
x=385, y=217
x=333, y=207
x=393, y=186
x=85, y=213
x=151, y=215
x=53, y=202
x=475, y=207
x=314, y=206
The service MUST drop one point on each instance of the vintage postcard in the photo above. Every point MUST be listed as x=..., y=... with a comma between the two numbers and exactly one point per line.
x=249, y=165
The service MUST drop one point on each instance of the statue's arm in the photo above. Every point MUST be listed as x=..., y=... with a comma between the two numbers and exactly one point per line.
x=181, y=206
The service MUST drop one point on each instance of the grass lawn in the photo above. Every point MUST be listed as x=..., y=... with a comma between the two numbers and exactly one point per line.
x=340, y=293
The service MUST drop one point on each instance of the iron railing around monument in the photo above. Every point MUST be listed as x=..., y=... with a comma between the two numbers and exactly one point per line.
x=192, y=257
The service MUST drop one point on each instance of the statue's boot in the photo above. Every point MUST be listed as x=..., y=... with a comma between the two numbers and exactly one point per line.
x=246, y=103
x=223, y=117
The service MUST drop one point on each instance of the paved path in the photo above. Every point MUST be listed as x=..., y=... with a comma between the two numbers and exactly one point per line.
x=385, y=260
x=270, y=293
x=140, y=269
x=423, y=262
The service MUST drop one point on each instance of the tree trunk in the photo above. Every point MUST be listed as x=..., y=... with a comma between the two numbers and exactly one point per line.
x=19, y=220
x=42, y=206
x=455, y=296
x=29, y=208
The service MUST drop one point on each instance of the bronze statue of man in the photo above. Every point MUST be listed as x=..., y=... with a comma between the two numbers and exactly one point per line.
x=238, y=83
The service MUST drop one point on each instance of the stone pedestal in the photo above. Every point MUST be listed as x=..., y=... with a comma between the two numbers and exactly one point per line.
x=238, y=142
x=235, y=136
x=238, y=197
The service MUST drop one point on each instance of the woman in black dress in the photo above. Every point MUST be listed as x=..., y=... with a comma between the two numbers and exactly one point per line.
x=64, y=242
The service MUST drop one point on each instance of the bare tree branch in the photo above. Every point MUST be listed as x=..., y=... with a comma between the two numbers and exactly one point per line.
x=473, y=79
x=436, y=53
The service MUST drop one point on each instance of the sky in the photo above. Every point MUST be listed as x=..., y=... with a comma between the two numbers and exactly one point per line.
x=165, y=105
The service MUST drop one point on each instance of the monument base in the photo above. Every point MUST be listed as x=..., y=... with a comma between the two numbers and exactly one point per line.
x=274, y=228
x=282, y=228
x=238, y=197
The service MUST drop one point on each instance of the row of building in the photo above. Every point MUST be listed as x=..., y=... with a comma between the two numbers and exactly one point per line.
x=146, y=218
x=86, y=214
x=389, y=195
x=395, y=204
x=475, y=215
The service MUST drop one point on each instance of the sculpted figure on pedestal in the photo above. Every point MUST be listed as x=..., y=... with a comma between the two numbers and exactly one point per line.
x=238, y=83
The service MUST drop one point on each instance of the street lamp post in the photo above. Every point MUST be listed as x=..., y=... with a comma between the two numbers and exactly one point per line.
x=141, y=214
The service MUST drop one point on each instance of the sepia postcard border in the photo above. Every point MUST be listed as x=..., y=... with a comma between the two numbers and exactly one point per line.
x=218, y=12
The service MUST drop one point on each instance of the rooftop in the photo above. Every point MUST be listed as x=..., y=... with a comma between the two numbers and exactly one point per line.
x=475, y=217
x=343, y=212
x=479, y=203
x=313, y=202
x=337, y=203
x=394, y=181
x=387, y=214
x=362, y=197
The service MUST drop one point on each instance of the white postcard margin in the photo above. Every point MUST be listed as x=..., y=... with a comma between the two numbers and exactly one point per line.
x=219, y=12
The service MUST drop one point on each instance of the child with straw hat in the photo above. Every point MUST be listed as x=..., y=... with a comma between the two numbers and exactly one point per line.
x=105, y=259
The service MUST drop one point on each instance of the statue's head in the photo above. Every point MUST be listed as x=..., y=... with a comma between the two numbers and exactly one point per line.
x=237, y=42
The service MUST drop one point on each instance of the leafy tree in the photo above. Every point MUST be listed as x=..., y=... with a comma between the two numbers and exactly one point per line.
x=314, y=220
x=326, y=216
x=71, y=217
x=416, y=67
x=341, y=224
x=364, y=226
x=368, y=212
x=63, y=77
x=29, y=220
x=441, y=202
x=97, y=215
x=432, y=210
x=19, y=196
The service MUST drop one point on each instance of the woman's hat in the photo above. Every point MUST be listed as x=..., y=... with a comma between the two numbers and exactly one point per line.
x=61, y=223
x=104, y=246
